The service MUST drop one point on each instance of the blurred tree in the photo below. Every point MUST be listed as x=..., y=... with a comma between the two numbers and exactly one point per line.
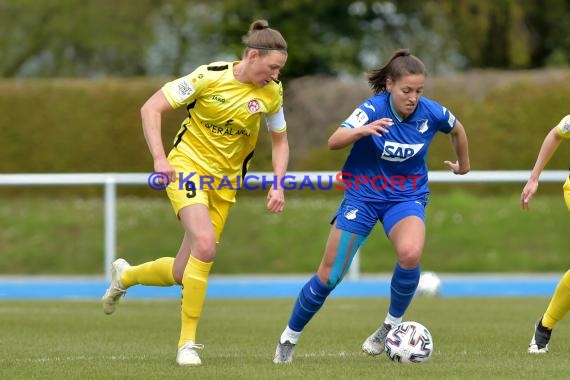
x=492, y=33
x=347, y=36
x=511, y=34
x=184, y=35
x=548, y=22
x=73, y=38
x=322, y=37
x=417, y=25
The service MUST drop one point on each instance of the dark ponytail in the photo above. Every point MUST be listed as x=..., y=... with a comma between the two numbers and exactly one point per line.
x=401, y=63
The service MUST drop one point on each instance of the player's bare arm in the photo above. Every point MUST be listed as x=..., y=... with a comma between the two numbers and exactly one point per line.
x=151, y=115
x=344, y=136
x=549, y=146
x=280, y=159
x=461, y=147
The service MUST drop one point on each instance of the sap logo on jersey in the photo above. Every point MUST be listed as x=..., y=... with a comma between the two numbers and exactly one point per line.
x=394, y=151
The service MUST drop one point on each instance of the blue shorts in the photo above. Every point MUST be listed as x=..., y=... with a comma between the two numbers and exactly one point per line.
x=360, y=217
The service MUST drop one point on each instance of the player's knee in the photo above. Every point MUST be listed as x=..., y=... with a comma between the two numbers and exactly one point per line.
x=204, y=248
x=409, y=258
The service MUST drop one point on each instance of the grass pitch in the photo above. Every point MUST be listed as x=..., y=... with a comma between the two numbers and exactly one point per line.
x=465, y=234
x=474, y=338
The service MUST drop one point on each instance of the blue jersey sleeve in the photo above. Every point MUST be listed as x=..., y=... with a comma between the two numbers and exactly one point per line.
x=444, y=120
x=363, y=115
x=447, y=121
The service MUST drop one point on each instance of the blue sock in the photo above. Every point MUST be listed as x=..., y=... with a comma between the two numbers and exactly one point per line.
x=402, y=289
x=310, y=299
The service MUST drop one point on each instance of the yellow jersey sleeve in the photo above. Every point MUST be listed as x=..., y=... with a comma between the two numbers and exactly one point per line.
x=184, y=90
x=563, y=128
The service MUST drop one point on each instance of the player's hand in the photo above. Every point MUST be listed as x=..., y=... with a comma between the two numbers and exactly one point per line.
x=456, y=168
x=276, y=200
x=378, y=127
x=163, y=166
x=528, y=192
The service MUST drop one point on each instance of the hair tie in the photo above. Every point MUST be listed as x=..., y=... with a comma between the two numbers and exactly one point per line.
x=265, y=48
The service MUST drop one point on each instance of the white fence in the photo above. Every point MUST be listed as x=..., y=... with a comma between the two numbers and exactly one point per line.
x=110, y=181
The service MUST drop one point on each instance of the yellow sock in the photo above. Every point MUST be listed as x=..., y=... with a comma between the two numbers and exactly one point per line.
x=559, y=304
x=194, y=285
x=155, y=273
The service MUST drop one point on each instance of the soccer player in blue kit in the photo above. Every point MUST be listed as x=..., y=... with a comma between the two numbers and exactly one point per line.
x=385, y=179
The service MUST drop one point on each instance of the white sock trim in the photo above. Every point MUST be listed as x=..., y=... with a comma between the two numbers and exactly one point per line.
x=391, y=320
x=290, y=335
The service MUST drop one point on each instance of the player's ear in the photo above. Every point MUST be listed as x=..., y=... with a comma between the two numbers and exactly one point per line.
x=389, y=84
x=253, y=54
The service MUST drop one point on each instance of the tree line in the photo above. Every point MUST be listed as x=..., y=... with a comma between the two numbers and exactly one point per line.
x=128, y=38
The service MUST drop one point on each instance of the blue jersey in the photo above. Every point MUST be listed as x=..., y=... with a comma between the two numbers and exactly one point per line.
x=393, y=167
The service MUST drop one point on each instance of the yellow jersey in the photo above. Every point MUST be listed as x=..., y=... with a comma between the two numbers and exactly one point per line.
x=224, y=117
x=563, y=128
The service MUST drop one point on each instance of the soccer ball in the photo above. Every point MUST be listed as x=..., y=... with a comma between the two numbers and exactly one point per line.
x=409, y=342
x=430, y=284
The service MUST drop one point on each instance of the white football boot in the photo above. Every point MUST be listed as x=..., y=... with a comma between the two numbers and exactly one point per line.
x=284, y=353
x=187, y=354
x=116, y=289
x=540, y=338
x=375, y=343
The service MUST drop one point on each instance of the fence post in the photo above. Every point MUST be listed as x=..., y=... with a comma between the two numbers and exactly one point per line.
x=354, y=270
x=110, y=224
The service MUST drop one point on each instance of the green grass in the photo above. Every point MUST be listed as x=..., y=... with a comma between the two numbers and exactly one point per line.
x=466, y=233
x=474, y=338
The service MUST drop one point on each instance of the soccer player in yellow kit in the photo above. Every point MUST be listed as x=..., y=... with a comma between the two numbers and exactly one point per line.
x=560, y=301
x=213, y=148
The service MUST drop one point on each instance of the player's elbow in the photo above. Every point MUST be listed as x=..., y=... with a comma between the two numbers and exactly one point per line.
x=144, y=110
x=334, y=143
x=331, y=145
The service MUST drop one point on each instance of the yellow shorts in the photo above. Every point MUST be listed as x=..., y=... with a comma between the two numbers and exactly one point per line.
x=566, y=189
x=218, y=200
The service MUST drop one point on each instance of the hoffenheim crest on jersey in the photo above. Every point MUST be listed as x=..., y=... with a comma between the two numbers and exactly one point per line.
x=350, y=213
x=422, y=125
